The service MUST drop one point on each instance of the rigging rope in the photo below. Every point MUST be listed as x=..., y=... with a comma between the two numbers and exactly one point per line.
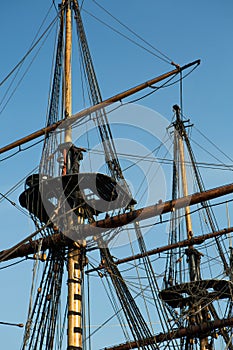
x=128, y=38
x=29, y=317
x=46, y=304
x=28, y=52
x=15, y=263
x=136, y=322
x=210, y=215
x=168, y=60
x=95, y=94
x=214, y=144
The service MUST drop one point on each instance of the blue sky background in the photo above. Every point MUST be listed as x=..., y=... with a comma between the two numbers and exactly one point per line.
x=183, y=30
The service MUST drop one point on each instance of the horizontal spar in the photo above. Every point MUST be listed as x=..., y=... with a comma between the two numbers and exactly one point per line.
x=195, y=331
x=65, y=122
x=116, y=221
x=187, y=242
x=161, y=208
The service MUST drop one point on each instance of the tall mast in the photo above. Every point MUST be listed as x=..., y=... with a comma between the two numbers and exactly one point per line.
x=193, y=256
x=68, y=73
x=183, y=174
x=74, y=266
x=193, y=268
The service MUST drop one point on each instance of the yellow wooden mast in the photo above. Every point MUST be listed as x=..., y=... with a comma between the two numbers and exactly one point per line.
x=74, y=266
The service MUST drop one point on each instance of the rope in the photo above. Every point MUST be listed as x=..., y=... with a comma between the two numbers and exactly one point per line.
x=168, y=60
x=29, y=318
x=28, y=52
x=126, y=37
x=137, y=324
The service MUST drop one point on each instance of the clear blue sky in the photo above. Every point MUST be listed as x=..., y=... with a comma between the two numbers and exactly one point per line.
x=183, y=30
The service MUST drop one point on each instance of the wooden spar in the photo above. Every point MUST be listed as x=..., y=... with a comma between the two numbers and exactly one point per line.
x=187, y=242
x=66, y=122
x=190, y=332
x=30, y=137
x=162, y=208
x=53, y=242
x=141, y=214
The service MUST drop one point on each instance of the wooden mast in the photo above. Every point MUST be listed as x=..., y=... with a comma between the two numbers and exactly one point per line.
x=68, y=75
x=193, y=261
x=74, y=267
x=183, y=174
